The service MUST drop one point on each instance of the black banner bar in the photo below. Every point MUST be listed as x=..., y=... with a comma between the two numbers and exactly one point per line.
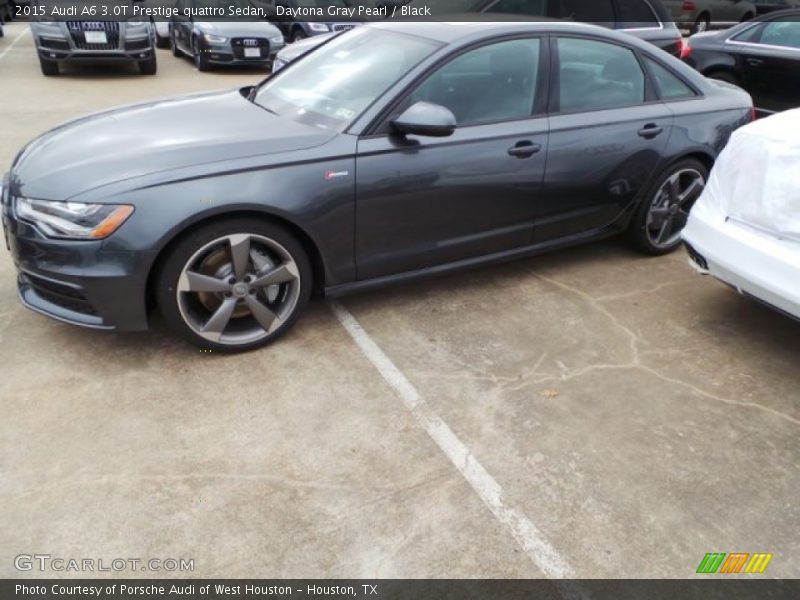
x=722, y=587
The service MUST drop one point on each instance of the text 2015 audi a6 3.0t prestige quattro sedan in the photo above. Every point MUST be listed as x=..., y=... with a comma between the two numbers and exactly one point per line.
x=392, y=151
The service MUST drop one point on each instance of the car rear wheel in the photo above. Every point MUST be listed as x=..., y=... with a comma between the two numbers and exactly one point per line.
x=298, y=34
x=703, y=23
x=149, y=66
x=49, y=67
x=235, y=285
x=657, y=225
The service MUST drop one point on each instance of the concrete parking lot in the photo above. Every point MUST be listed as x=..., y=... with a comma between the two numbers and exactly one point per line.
x=590, y=413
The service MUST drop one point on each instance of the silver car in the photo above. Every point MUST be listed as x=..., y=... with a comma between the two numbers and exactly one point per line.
x=701, y=15
x=94, y=41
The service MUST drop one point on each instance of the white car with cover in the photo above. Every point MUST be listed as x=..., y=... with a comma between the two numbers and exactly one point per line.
x=745, y=227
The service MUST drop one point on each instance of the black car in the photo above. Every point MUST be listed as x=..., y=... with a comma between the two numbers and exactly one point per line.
x=762, y=56
x=646, y=19
x=393, y=151
x=209, y=43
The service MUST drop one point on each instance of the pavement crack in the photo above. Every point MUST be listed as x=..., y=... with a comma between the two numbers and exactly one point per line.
x=635, y=362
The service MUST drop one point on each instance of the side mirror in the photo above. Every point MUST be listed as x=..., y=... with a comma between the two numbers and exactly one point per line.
x=425, y=118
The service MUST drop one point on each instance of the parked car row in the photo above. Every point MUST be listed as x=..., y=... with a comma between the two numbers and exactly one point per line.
x=761, y=56
x=465, y=144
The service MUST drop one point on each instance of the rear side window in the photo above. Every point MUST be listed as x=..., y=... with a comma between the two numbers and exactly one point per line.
x=531, y=8
x=669, y=84
x=782, y=33
x=636, y=14
x=750, y=35
x=597, y=75
x=589, y=11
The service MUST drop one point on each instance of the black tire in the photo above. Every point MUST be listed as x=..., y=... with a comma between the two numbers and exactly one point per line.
x=640, y=230
x=173, y=46
x=161, y=42
x=725, y=76
x=747, y=17
x=49, y=67
x=298, y=34
x=189, y=251
x=200, y=58
x=149, y=66
x=703, y=23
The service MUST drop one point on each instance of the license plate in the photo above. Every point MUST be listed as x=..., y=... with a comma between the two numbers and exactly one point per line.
x=252, y=53
x=95, y=37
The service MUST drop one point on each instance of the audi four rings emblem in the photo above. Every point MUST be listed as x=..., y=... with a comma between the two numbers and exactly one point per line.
x=250, y=42
x=93, y=26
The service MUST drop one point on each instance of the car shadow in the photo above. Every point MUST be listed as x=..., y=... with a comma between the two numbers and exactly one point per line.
x=721, y=311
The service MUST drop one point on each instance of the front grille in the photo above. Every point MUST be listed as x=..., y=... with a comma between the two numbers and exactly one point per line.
x=60, y=295
x=239, y=45
x=55, y=44
x=78, y=30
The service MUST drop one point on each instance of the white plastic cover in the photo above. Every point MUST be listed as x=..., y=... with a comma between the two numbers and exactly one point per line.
x=756, y=179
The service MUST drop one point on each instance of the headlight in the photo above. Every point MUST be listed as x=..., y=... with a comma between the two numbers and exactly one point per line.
x=278, y=39
x=73, y=220
x=319, y=27
x=215, y=39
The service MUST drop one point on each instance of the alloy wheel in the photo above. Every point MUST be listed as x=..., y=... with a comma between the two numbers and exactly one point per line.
x=238, y=289
x=671, y=204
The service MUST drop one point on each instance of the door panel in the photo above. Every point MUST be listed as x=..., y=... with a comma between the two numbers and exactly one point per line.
x=771, y=66
x=423, y=201
x=607, y=136
x=597, y=165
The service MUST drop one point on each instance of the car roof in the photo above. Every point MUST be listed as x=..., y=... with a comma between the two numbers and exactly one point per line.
x=456, y=27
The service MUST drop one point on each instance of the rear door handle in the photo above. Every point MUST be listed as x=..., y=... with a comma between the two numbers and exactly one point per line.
x=755, y=62
x=524, y=149
x=650, y=131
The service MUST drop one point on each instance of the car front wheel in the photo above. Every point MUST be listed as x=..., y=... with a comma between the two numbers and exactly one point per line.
x=200, y=57
x=657, y=224
x=173, y=45
x=149, y=66
x=49, y=67
x=235, y=285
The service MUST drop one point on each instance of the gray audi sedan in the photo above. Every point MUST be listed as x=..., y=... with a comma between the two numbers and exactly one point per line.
x=393, y=151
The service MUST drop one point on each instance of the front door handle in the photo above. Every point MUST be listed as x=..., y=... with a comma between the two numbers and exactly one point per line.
x=650, y=131
x=755, y=62
x=524, y=149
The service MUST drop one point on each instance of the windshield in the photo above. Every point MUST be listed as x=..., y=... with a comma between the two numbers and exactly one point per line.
x=333, y=84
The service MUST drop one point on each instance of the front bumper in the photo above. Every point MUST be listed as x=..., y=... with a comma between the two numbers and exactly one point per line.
x=754, y=262
x=62, y=50
x=230, y=54
x=77, y=282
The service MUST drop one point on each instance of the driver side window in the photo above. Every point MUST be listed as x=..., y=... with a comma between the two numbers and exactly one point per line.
x=489, y=84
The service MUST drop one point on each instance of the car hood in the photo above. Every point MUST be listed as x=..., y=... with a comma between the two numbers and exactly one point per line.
x=159, y=136
x=239, y=28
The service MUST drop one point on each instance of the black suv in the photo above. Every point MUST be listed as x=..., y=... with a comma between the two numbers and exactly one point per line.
x=646, y=19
